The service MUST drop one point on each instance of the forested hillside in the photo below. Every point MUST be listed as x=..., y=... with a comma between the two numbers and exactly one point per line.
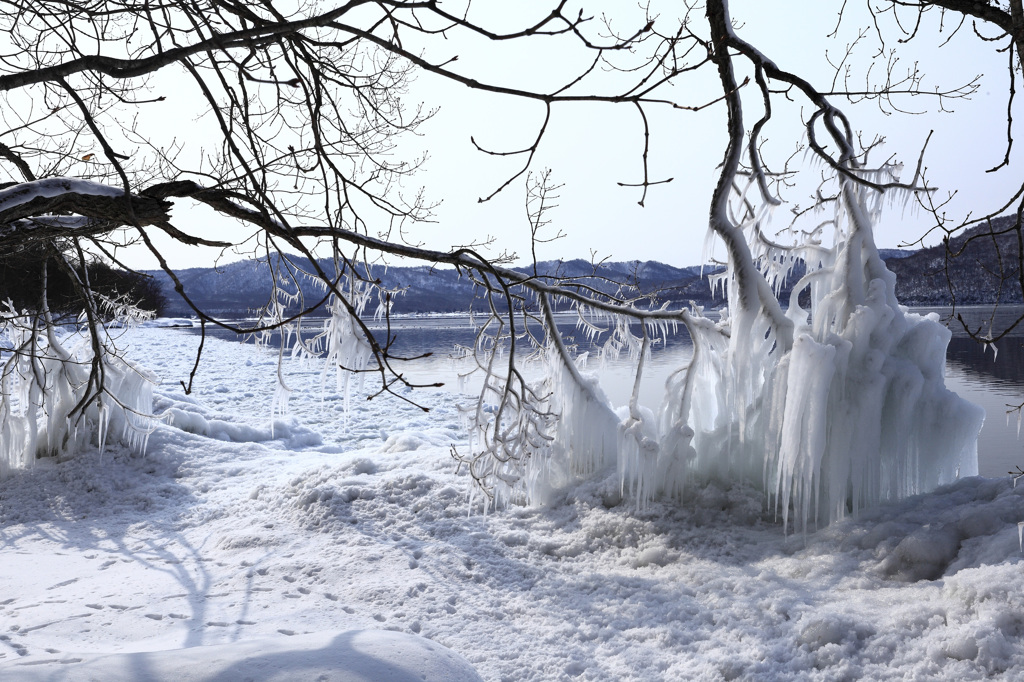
x=981, y=266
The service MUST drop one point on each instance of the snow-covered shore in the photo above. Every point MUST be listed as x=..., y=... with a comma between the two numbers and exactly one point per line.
x=232, y=531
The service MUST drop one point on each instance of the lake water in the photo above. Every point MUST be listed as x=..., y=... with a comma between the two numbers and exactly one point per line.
x=994, y=381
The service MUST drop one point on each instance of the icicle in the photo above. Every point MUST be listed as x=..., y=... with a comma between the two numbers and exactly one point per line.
x=854, y=413
x=638, y=441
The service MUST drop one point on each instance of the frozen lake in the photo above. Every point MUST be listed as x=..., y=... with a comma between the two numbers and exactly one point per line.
x=994, y=382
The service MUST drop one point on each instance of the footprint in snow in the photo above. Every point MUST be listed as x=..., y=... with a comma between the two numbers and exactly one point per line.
x=417, y=589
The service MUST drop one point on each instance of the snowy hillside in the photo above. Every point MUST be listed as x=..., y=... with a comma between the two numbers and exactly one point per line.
x=259, y=543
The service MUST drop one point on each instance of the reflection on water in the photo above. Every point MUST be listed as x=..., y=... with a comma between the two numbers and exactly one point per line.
x=997, y=385
x=999, y=448
x=1004, y=366
x=991, y=382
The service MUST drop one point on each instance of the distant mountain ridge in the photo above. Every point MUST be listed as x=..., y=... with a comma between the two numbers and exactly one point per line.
x=238, y=289
x=241, y=288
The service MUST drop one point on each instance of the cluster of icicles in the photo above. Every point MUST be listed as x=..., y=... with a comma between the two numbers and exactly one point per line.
x=840, y=407
x=341, y=345
x=48, y=404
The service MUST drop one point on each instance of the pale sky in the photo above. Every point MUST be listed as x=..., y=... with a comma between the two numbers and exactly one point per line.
x=592, y=147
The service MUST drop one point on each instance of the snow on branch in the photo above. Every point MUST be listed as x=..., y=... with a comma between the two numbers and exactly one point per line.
x=105, y=206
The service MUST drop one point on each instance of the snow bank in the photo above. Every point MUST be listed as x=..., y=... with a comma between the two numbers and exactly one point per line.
x=353, y=656
x=288, y=431
x=168, y=322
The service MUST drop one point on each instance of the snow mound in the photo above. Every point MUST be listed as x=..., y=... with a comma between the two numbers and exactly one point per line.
x=356, y=494
x=968, y=524
x=352, y=656
x=166, y=322
x=288, y=430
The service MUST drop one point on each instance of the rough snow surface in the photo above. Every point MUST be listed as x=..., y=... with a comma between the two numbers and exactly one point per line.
x=232, y=539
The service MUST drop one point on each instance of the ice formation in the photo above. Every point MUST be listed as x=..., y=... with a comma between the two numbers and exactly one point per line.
x=836, y=407
x=830, y=409
x=855, y=411
x=345, y=345
x=583, y=439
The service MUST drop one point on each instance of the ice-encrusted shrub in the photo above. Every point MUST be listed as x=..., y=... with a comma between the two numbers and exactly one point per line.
x=829, y=409
x=57, y=395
